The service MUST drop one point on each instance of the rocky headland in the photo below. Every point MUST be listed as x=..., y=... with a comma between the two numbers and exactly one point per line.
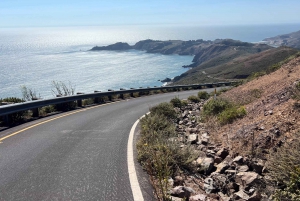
x=290, y=40
x=201, y=49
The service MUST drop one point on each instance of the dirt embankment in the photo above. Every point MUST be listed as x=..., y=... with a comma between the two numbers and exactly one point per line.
x=271, y=111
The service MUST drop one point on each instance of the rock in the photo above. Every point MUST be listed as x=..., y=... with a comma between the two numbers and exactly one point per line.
x=222, y=167
x=192, y=138
x=116, y=46
x=178, y=181
x=175, y=198
x=171, y=182
x=203, y=141
x=246, y=179
x=182, y=191
x=206, y=164
x=223, y=197
x=199, y=197
x=257, y=165
x=191, y=130
x=238, y=159
x=210, y=153
x=218, y=159
x=243, y=168
x=223, y=153
x=205, y=135
x=242, y=195
x=209, y=185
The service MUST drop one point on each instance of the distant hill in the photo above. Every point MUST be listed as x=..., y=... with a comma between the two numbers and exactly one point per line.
x=290, y=40
x=203, y=50
x=234, y=66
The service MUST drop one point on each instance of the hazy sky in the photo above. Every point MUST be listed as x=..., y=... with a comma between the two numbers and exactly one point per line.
x=131, y=12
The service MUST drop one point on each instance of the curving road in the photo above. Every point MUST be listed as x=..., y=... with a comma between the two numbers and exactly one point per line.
x=80, y=155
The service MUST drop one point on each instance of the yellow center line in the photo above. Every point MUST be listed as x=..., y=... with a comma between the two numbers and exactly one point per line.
x=64, y=115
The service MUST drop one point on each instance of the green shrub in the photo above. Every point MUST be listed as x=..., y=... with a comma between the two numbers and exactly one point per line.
x=16, y=117
x=88, y=101
x=47, y=109
x=165, y=109
x=225, y=111
x=215, y=107
x=256, y=93
x=284, y=170
x=184, y=103
x=176, y=102
x=194, y=99
x=203, y=95
x=230, y=114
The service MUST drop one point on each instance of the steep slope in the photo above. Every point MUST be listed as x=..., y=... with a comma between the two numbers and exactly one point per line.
x=232, y=66
x=290, y=40
x=272, y=113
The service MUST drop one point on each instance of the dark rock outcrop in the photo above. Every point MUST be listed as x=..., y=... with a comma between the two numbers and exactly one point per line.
x=116, y=46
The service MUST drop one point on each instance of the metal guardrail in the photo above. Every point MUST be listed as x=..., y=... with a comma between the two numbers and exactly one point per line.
x=34, y=105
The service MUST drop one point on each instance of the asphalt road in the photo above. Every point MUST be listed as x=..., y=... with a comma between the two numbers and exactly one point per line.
x=81, y=156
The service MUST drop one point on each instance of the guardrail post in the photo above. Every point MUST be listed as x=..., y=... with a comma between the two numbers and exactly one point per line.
x=79, y=102
x=97, y=99
x=6, y=120
x=35, y=111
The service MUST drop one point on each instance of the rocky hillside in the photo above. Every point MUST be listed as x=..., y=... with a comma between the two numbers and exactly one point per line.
x=290, y=40
x=235, y=160
x=233, y=65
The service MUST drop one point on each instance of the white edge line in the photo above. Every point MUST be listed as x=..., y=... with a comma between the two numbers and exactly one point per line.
x=135, y=186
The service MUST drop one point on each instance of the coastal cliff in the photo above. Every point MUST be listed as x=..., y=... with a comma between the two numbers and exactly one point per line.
x=201, y=49
x=290, y=40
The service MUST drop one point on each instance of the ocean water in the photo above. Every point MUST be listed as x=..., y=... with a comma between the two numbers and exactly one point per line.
x=35, y=57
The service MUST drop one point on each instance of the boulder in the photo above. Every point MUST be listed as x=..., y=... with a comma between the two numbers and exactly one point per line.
x=182, y=191
x=199, y=197
x=178, y=181
x=192, y=138
x=222, y=167
x=243, y=168
x=257, y=165
x=238, y=160
x=223, y=197
x=245, y=179
x=209, y=185
x=223, y=153
x=206, y=164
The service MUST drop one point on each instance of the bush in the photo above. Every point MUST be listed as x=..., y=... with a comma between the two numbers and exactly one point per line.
x=164, y=109
x=215, y=107
x=176, y=102
x=47, y=109
x=16, y=117
x=284, y=170
x=230, y=114
x=225, y=111
x=194, y=99
x=203, y=95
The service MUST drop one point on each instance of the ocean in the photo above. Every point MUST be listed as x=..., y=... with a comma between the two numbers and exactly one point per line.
x=35, y=57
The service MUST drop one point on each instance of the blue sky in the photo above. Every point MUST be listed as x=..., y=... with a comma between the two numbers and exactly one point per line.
x=26, y=13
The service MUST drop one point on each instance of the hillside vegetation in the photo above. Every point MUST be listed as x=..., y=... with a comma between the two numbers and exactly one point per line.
x=234, y=66
x=243, y=145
